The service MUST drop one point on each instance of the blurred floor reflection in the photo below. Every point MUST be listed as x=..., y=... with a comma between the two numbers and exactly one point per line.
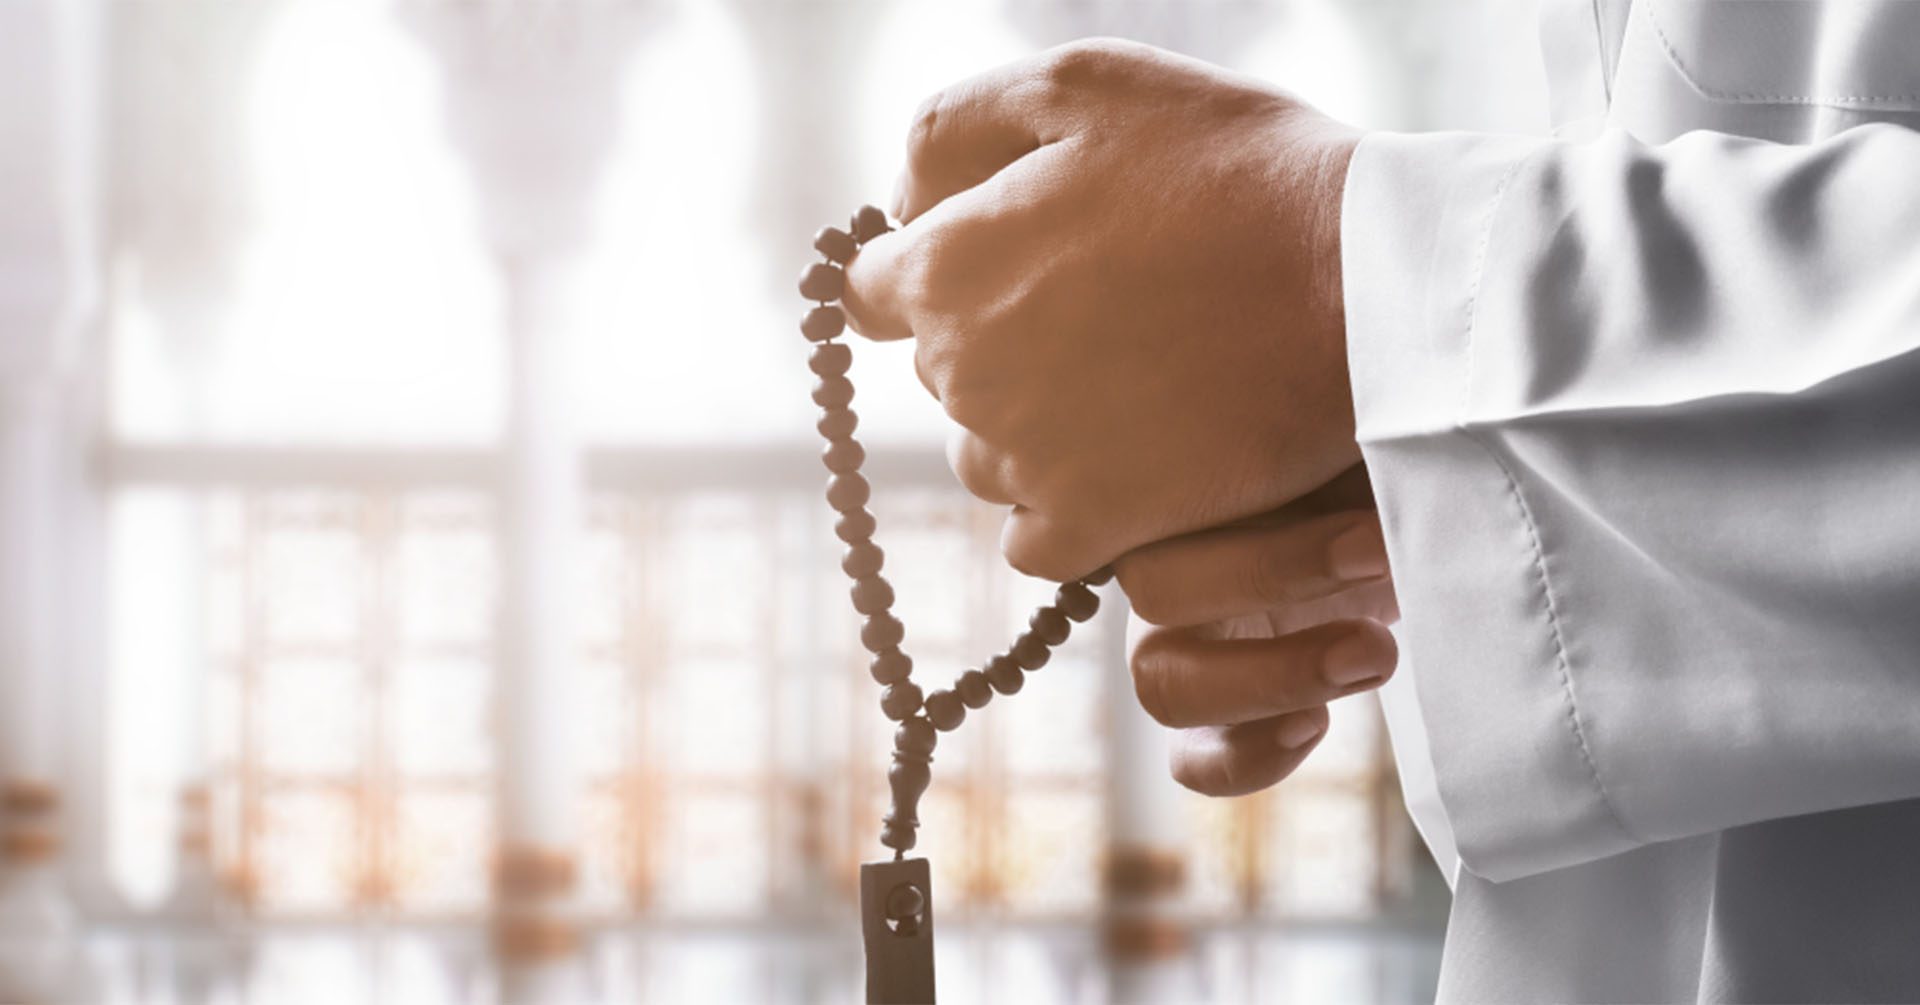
x=338, y=965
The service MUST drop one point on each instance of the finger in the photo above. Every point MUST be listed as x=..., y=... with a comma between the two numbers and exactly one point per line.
x=1248, y=569
x=965, y=133
x=1037, y=545
x=1245, y=757
x=876, y=294
x=1373, y=601
x=1183, y=678
x=981, y=469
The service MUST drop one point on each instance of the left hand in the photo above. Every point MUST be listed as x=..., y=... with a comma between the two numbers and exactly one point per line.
x=1251, y=630
x=1122, y=269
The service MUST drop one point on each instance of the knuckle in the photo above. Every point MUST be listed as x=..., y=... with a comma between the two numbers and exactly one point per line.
x=1269, y=578
x=924, y=128
x=1082, y=62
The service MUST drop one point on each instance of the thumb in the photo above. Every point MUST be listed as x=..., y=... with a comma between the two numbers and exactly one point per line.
x=874, y=296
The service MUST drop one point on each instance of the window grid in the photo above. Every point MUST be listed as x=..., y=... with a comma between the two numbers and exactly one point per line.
x=327, y=706
x=692, y=601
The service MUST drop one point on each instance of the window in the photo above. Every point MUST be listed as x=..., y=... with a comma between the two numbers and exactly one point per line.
x=306, y=551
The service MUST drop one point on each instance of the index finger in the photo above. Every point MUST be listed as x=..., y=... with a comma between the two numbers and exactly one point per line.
x=967, y=132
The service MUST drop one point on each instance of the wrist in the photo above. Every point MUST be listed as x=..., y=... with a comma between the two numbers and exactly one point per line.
x=1326, y=288
x=1322, y=151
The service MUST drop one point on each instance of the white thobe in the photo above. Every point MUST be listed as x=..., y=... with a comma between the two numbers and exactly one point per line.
x=1641, y=405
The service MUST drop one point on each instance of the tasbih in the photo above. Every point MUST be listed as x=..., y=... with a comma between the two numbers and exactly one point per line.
x=896, y=897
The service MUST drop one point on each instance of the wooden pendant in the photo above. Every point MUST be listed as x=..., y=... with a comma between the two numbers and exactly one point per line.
x=896, y=923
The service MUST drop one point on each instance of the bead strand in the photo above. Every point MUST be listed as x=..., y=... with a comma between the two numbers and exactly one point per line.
x=921, y=717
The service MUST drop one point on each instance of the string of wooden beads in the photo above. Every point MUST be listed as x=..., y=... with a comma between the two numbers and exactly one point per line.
x=921, y=716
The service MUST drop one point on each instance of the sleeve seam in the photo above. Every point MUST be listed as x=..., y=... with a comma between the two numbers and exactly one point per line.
x=1477, y=272
x=1562, y=666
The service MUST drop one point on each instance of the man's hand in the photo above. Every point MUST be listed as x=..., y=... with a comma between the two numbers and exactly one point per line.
x=1257, y=626
x=1122, y=270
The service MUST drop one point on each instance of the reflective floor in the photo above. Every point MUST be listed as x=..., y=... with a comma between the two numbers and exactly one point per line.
x=1030, y=964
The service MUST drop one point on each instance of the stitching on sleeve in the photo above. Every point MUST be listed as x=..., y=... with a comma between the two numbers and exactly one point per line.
x=1561, y=664
x=1692, y=78
x=1462, y=407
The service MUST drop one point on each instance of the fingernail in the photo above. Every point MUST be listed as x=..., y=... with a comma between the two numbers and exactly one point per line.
x=1358, y=553
x=1351, y=660
x=1297, y=731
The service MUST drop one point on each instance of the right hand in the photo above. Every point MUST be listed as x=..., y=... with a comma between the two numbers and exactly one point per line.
x=1252, y=628
x=1121, y=270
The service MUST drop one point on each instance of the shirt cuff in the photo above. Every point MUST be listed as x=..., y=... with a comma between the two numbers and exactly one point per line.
x=1482, y=638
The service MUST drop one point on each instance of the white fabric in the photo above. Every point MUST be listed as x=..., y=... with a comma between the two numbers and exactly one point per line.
x=1642, y=410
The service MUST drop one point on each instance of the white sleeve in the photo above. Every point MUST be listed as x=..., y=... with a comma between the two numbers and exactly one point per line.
x=1644, y=426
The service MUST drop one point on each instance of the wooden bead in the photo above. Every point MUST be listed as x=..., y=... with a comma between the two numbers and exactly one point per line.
x=863, y=559
x=900, y=700
x=830, y=359
x=836, y=244
x=898, y=836
x=945, y=711
x=1051, y=624
x=882, y=632
x=832, y=392
x=1077, y=600
x=854, y=526
x=1030, y=651
x=823, y=322
x=915, y=736
x=838, y=423
x=822, y=282
x=973, y=689
x=1098, y=577
x=848, y=492
x=843, y=456
x=890, y=667
x=869, y=222
x=872, y=594
x=1005, y=675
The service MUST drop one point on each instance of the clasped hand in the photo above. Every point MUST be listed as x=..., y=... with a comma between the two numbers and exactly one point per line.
x=1121, y=271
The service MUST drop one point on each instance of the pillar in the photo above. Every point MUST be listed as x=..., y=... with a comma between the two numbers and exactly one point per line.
x=48, y=65
x=531, y=99
x=32, y=898
x=181, y=206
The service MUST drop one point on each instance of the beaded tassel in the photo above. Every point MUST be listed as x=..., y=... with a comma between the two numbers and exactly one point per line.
x=921, y=717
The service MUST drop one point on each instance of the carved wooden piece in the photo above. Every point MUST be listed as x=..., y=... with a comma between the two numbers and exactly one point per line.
x=898, y=938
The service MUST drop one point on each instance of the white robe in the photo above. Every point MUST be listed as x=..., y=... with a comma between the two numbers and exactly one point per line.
x=1641, y=404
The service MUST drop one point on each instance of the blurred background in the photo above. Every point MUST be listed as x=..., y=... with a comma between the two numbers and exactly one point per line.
x=414, y=585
